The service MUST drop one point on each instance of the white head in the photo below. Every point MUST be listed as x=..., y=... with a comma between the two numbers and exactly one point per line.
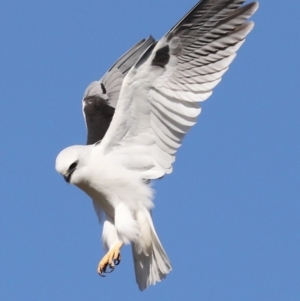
x=68, y=160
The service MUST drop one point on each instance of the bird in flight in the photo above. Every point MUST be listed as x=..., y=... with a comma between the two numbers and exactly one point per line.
x=136, y=118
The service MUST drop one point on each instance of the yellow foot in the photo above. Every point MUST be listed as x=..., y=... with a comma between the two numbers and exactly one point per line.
x=111, y=259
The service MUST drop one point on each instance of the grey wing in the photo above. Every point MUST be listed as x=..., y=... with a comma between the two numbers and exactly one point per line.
x=100, y=98
x=161, y=95
x=113, y=78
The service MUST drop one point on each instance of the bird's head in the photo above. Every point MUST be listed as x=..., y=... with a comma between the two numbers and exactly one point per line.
x=67, y=162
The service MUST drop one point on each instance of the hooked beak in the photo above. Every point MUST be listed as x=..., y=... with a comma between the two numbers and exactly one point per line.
x=68, y=175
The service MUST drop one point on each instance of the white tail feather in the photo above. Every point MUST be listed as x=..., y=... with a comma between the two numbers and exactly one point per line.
x=151, y=265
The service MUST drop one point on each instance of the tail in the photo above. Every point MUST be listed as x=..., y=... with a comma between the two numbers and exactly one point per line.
x=151, y=263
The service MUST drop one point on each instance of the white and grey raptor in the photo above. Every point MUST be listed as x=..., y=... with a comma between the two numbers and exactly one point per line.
x=156, y=89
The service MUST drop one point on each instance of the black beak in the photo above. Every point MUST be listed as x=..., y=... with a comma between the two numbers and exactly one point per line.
x=68, y=176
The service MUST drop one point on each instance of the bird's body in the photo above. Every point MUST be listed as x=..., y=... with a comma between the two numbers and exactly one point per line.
x=156, y=100
x=123, y=197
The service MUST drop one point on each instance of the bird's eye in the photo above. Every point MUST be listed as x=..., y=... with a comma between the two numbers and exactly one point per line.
x=73, y=165
x=103, y=88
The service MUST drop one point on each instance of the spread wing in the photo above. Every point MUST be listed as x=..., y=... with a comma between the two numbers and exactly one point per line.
x=113, y=78
x=160, y=96
x=100, y=97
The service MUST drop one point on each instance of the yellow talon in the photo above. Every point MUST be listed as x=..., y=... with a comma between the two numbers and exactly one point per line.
x=111, y=258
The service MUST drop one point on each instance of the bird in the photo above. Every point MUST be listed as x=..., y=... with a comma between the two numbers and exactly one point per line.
x=137, y=115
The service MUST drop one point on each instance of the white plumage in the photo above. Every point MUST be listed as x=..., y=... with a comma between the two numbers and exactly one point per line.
x=158, y=102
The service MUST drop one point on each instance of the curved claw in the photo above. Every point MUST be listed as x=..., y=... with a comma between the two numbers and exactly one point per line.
x=110, y=260
x=117, y=260
x=101, y=271
x=105, y=271
x=111, y=269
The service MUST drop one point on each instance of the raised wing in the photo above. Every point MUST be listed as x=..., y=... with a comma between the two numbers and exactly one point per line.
x=113, y=78
x=101, y=96
x=159, y=100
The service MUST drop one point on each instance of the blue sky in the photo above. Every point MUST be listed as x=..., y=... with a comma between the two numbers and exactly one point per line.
x=229, y=214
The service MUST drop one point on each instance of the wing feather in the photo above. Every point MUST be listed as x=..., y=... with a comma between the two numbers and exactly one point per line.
x=160, y=96
x=113, y=78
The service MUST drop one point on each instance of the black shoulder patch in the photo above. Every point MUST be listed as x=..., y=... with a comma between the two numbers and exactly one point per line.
x=145, y=55
x=162, y=57
x=98, y=116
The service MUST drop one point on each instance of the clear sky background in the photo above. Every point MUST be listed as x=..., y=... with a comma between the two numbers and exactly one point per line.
x=228, y=216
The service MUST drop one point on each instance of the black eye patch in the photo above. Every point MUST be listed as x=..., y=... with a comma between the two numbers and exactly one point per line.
x=73, y=166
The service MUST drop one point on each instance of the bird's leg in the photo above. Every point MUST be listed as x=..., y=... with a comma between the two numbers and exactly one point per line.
x=111, y=258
